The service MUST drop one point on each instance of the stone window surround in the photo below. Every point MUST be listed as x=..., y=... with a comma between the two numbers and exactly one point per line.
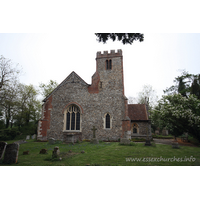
x=65, y=119
x=108, y=64
x=104, y=121
x=135, y=125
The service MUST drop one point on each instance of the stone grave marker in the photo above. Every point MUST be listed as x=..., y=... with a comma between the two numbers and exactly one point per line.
x=20, y=142
x=11, y=153
x=2, y=149
x=94, y=139
x=52, y=141
x=43, y=151
x=28, y=137
x=33, y=136
x=56, y=152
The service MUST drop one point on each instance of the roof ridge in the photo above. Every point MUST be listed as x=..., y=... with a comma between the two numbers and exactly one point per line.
x=65, y=80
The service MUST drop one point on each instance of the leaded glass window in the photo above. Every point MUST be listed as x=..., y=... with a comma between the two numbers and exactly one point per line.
x=73, y=118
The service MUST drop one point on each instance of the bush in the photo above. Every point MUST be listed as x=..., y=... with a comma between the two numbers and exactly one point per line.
x=8, y=134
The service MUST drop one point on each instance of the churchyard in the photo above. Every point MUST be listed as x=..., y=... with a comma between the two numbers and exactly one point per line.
x=103, y=154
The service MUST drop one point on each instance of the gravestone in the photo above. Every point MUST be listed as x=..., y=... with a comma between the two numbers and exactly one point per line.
x=11, y=153
x=28, y=137
x=125, y=141
x=43, y=151
x=20, y=142
x=128, y=135
x=2, y=149
x=56, y=152
x=25, y=152
x=94, y=140
x=33, y=136
x=148, y=142
x=52, y=141
x=175, y=145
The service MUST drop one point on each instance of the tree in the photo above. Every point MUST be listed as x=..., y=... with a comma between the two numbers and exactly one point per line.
x=126, y=38
x=195, y=87
x=7, y=72
x=185, y=85
x=9, y=102
x=150, y=95
x=46, y=89
x=27, y=105
x=180, y=114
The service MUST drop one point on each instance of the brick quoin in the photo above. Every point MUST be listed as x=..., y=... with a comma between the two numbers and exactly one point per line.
x=94, y=87
x=45, y=121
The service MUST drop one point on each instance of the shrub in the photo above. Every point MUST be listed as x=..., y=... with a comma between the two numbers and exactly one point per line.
x=8, y=134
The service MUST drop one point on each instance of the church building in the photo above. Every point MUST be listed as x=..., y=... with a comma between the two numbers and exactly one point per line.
x=72, y=109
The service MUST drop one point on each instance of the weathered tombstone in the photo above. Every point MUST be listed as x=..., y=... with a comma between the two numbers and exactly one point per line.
x=43, y=151
x=11, y=153
x=94, y=139
x=175, y=145
x=25, y=152
x=52, y=141
x=2, y=149
x=148, y=142
x=56, y=152
x=28, y=137
x=20, y=142
x=83, y=151
x=128, y=135
x=33, y=136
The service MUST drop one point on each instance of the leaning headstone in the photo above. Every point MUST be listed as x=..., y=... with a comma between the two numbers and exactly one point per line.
x=2, y=149
x=28, y=137
x=52, y=141
x=11, y=153
x=56, y=152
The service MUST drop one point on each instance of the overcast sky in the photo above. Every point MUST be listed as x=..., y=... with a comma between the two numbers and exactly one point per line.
x=155, y=61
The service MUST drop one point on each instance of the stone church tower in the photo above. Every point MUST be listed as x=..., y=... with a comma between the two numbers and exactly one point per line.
x=74, y=107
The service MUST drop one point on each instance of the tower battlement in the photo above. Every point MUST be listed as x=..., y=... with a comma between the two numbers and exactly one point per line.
x=111, y=54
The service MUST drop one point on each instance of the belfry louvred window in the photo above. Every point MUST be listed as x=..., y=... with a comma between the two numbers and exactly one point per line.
x=73, y=118
x=108, y=64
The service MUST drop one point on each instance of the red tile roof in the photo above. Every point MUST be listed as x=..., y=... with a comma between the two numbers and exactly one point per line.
x=137, y=112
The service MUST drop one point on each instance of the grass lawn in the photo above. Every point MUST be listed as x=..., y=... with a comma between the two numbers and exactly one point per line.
x=106, y=154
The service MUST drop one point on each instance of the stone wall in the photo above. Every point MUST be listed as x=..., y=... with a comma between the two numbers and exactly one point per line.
x=144, y=128
x=93, y=102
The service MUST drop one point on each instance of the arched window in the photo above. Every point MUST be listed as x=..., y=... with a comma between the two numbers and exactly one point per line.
x=107, y=121
x=73, y=118
x=135, y=128
x=108, y=64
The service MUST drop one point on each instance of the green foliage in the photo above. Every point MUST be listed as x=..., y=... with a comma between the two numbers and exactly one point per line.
x=46, y=89
x=103, y=154
x=126, y=38
x=179, y=114
x=8, y=134
x=185, y=84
